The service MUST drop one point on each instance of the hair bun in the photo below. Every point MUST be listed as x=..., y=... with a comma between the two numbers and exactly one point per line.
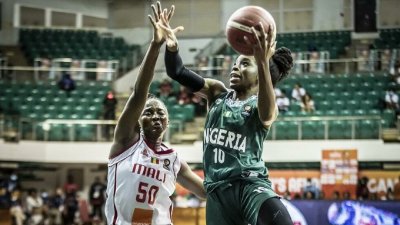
x=283, y=60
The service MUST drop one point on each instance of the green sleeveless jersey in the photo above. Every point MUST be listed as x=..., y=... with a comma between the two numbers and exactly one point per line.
x=233, y=141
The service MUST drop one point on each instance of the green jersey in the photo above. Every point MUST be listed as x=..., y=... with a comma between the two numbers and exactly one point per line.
x=233, y=141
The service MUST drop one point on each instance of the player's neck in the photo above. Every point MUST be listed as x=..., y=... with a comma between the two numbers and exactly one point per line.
x=245, y=94
x=154, y=143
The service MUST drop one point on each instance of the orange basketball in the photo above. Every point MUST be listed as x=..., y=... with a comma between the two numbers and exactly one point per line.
x=239, y=25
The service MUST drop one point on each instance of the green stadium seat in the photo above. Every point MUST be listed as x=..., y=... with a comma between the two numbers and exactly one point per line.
x=289, y=114
x=318, y=96
x=360, y=112
x=344, y=96
x=346, y=112
x=294, y=107
x=367, y=104
x=340, y=87
x=338, y=104
x=154, y=87
x=339, y=129
x=353, y=87
x=170, y=101
x=85, y=132
x=324, y=105
x=57, y=132
x=177, y=116
x=332, y=112
x=373, y=112
x=367, y=129
x=38, y=109
x=331, y=96
x=286, y=130
x=90, y=116
x=318, y=113
x=358, y=96
x=313, y=130
x=352, y=105
x=389, y=116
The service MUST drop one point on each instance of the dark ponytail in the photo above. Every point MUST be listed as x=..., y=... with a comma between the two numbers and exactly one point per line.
x=280, y=64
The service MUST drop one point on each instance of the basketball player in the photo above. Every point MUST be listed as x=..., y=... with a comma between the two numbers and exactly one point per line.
x=142, y=171
x=236, y=126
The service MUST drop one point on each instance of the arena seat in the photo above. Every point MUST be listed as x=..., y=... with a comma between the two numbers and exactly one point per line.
x=339, y=129
x=286, y=130
x=313, y=130
x=367, y=129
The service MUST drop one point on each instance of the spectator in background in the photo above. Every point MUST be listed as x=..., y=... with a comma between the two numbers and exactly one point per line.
x=396, y=74
x=202, y=66
x=226, y=65
x=34, y=207
x=336, y=195
x=16, y=211
x=392, y=100
x=298, y=92
x=67, y=84
x=71, y=206
x=70, y=186
x=56, y=207
x=109, y=106
x=283, y=102
x=310, y=189
x=165, y=90
x=321, y=195
x=389, y=194
x=13, y=183
x=287, y=195
x=396, y=190
x=346, y=195
x=97, y=198
x=200, y=105
x=184, y=96
x=308, y=195
x=278, y=92
x=307, y=103
x=362, y=191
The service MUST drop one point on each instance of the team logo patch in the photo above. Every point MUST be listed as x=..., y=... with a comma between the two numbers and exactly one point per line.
x=155, y=160
x=246, y=110
x=166, y=164
x=145, y=153
x=227, y=114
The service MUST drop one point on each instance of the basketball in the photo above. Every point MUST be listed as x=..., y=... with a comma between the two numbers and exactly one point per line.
x=239, y=25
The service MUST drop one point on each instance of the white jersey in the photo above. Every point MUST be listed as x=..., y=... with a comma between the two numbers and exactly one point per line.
x=140, y=182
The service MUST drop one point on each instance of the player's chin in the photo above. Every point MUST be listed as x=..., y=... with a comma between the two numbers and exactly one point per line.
x=234, y=83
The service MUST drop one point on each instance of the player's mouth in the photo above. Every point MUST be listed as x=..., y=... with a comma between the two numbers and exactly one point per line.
x=157, y=125
x=235, y=76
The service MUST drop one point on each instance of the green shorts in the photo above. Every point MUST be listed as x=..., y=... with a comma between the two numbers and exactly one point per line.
x=237, y=202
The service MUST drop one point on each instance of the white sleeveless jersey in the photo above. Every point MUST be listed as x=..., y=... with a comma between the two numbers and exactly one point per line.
x=140, y=182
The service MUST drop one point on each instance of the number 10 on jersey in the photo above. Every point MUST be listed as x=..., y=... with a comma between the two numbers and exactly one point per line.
x=219, y=155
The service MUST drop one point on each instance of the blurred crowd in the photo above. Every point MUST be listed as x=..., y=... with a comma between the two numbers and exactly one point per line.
x=67, y=205
x=312, y=191
x=62, y=206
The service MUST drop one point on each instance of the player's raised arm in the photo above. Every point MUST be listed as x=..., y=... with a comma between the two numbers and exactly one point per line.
x=206, y=88
x=127, y=130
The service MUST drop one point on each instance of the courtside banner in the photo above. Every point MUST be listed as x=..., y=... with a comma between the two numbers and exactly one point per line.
x=379, y=181
x=292, y=180
x=320, y=212
x=339, y=171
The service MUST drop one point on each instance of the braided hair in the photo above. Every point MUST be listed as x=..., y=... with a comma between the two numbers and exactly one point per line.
x=280, y=64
